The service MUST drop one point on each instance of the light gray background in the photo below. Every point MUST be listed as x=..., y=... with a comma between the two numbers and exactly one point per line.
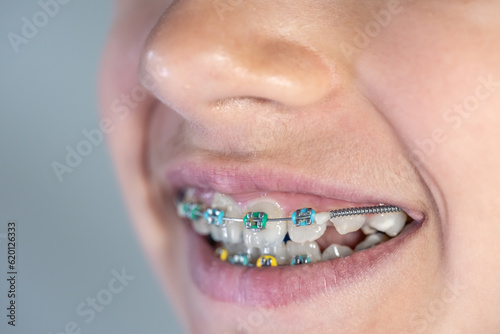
x=71, y=235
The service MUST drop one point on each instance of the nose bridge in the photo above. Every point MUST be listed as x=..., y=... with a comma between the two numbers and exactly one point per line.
x=198, y=58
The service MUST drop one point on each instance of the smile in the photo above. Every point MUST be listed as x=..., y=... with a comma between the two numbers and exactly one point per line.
x=267, y=238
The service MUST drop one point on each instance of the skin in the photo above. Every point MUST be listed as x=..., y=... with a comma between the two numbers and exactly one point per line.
x=407, y=110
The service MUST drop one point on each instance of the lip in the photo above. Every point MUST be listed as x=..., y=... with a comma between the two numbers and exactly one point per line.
x=279, y=286
x=231, y=178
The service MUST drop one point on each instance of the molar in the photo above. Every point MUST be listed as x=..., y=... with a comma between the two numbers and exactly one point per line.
x=390, y=223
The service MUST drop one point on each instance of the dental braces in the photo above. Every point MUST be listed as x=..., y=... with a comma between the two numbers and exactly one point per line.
x=242, y=259
x=257, y=221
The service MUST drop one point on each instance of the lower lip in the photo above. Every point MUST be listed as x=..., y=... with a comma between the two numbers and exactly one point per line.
x=280, y=286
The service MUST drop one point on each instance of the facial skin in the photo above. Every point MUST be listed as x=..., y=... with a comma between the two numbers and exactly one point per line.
x=408, y=109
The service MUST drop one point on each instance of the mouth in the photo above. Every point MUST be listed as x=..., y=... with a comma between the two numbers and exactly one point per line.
x=261, y=238
x=257, y=229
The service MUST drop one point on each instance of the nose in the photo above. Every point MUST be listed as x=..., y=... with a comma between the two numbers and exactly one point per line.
x=199, y=58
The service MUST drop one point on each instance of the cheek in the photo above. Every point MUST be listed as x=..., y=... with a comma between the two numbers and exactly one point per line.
x=439, y=87
x=165, y=131
x=428, y=79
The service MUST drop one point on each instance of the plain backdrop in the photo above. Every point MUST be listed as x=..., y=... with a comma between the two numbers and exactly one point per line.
x=71, y=235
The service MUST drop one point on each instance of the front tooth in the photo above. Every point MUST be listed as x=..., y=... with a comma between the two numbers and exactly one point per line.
x=310, y=248
x=391, y=223
x=335, y=251
x=348, y=224
x=306, y=233
x=278, y=251
x=274, y=232
x=232, y=231
x=370, y=241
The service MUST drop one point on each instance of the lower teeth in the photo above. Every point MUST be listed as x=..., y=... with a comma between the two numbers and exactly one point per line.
x=259, y=239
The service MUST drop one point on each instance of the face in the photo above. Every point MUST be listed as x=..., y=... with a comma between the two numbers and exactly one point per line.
x=269, y=106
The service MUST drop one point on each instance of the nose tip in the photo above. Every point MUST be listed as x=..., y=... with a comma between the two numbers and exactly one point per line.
x=197, y=59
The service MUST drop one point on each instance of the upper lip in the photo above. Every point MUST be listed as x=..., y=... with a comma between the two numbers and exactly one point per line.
x=231, y=178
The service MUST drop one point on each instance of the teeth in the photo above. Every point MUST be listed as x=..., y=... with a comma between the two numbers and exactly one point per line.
x=274, y=232
x=310, y=248
x=310, y=232
x=180, y=210
x=239, y=248
x=278, y=251
x=348, y=224
x=232, y=231
x=201, y=226
x=306, y=233
x=234, y=248
x=335, y=251
x=367, y=229
x=390, y=223
x=322, y=218
x=254, y=238
x=216, y=232
x=370, y=241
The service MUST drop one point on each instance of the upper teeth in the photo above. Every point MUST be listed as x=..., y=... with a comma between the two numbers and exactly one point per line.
x=349, y=224
x=274, y=232
x=260, y=229
x=390, y=223
x=231, y=231
x=306, y=233
x=201, y=226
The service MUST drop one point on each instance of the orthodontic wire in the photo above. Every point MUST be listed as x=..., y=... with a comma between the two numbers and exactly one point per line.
x=242, y=259
x=356, y=211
